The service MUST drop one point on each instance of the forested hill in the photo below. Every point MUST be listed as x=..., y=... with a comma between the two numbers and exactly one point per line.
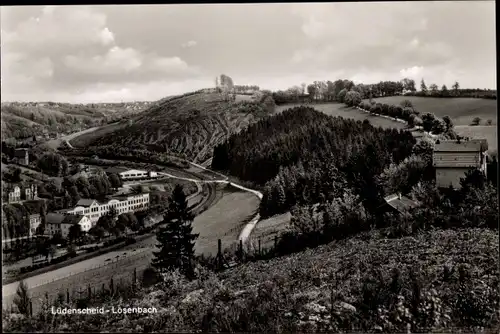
x=304, y=156
x=189, y=126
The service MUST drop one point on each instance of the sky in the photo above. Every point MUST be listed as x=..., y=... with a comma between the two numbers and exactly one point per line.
x=114, y=53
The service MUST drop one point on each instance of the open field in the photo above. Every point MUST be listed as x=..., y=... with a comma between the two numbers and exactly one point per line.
x=461, y=110
x=241, y=97
x=84, y=139
x=266, y=229
x=93, y=271
x=481, y=132
x=224, y=220
x=339, y=109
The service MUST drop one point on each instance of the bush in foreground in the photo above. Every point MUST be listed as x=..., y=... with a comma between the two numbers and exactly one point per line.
x=433, y=281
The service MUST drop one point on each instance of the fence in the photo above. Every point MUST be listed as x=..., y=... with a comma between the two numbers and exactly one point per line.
x=71, y=284
x=105, y=277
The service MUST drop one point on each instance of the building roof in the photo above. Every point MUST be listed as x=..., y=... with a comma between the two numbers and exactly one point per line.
x=54, y=218
x=85, y=202
x=474, y=145
x=20, y=152
x=134, y=171
x=400, y=203
x=116, y=170
x=72, y=219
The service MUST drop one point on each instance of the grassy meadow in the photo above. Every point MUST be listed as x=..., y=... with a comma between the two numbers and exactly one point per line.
x=461, y=110
x=341, y=110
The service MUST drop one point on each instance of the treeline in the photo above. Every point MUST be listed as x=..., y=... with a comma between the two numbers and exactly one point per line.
x=150, y=155
x=245, y=88
x=303, y=156
x=407, y=112
x=328, y=91
x=434, y=91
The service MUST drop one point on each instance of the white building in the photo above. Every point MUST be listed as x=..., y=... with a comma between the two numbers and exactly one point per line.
x=453, y=158
x=131, y=174
x=35, y=221
x=92, y=209
x=56, y=222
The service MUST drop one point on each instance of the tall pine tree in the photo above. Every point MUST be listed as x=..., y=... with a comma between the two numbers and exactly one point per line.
x=176, y=240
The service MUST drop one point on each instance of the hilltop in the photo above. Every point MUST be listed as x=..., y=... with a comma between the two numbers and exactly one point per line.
x=190, y=125
x=26, y=119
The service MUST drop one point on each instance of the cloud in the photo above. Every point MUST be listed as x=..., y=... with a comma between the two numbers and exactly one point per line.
x=69, y=27
x=126, y=64
x=84, y=51
x=412, y=72
x=115, y=61
x=66, y=48
x=189, y=44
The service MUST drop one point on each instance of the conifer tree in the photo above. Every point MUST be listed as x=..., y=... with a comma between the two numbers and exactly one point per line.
x=176, y=240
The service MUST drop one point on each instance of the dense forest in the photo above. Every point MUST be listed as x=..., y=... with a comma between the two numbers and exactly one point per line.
x=304, y=156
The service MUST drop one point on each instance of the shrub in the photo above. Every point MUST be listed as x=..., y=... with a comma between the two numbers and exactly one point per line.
x=476, y=121
x=150, y=276
x=406, y=104
x=428, y=121
x=375, y=109
x=22, y=299
x=489, y=122
x=398, y=111
x=438, y=126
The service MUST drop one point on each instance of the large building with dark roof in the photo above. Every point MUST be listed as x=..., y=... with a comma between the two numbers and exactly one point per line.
x=61, y=223
x=452, y=159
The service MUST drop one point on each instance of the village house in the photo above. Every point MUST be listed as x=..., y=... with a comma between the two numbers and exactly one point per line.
x=453, y=158
x=21, y=156
x=16, y=193
x=60, y=223
x=35, y=221
x=93, y=210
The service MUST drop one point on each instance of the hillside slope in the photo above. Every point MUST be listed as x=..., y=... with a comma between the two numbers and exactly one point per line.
x=21, y=120
x=440, y=281
x=189, y=126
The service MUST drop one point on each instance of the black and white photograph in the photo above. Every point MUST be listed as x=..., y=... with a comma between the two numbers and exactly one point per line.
x=250, y=167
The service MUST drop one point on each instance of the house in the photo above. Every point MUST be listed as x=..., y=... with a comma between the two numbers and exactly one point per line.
x=56, y=222
x=398, y=203
x=93, y=210
x=35, y=221
x=16, y=193
x=21, y=155
x=453, y=158
x=31, y=193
